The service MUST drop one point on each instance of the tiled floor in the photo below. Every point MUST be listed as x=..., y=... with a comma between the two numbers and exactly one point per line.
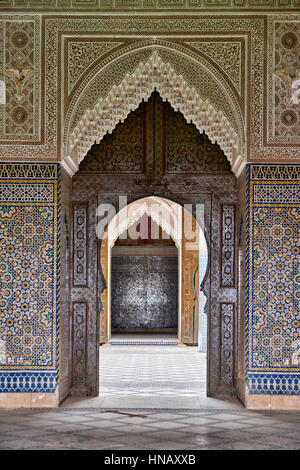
x=150, y=400
x=152, y=370
x=149, y=429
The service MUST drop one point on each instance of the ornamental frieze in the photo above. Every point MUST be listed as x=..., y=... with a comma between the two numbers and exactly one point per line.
x=51, y=66
x=160, y=5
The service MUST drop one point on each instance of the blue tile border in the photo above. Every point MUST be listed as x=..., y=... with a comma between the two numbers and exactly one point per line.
x=274, y=384
x=28, y=382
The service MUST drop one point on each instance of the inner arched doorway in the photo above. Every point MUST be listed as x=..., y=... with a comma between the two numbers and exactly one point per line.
x=155, y=152
x=136, y=230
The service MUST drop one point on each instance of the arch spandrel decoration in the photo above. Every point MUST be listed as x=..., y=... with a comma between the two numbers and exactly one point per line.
x=154, y=140
x=138, y=86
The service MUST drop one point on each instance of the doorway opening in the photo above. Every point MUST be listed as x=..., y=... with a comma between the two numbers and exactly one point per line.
x=144, y=286
x=154, y=255
x=155, y=155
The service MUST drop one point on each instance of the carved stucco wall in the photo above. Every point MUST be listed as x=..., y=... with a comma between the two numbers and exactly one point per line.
x=284, y=94
x=163, y=66
x=49, y=88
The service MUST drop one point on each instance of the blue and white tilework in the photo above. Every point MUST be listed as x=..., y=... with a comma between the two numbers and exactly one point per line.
x=274, y=279
x=29, y=276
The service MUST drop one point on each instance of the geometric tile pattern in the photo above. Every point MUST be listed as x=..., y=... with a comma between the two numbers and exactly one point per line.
x=29, y=257
x=148, y=429
x=274, y=282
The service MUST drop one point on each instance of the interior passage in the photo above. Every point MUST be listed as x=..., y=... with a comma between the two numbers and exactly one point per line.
x=152, y=371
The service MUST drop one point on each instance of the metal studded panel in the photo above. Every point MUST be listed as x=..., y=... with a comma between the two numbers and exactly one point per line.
x=144, y=292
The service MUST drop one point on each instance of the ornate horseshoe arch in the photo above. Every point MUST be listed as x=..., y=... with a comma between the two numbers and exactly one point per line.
x=180, y=225
x=153, y=207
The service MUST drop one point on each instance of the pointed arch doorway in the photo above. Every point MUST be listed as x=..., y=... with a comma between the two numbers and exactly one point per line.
x=166, y=235
x=155, y=152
